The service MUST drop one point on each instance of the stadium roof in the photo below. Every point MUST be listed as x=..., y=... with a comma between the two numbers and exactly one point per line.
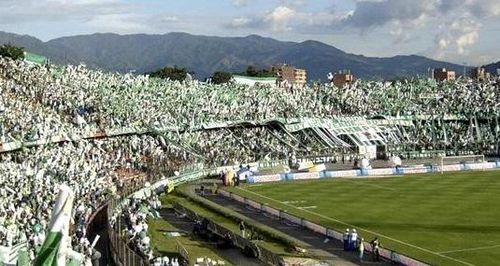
x=256, y=78
x=35, y=58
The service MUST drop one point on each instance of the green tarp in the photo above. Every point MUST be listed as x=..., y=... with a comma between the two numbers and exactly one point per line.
x=35, y=59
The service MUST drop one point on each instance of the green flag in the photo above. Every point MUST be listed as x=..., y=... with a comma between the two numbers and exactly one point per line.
x=53, y=250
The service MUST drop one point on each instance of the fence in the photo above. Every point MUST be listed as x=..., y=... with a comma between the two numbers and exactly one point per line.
x=120, y=251
x=374, y=172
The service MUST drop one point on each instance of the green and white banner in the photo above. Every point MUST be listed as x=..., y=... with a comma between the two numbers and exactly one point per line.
x=55, y=247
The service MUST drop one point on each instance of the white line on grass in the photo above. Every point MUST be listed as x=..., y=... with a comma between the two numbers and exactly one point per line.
x=363, y=229
x=307, y=207
x=368, y=184
x=469, y=249
x=293, y=202
x=255, y=185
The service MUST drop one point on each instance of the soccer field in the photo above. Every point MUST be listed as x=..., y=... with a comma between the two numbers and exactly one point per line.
x=450, y=219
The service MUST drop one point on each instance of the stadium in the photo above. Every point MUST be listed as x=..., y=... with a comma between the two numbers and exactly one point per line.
x=133, y=170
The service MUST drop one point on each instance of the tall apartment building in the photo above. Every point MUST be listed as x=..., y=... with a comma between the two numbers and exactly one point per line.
x=441, y=74
x=291, y=75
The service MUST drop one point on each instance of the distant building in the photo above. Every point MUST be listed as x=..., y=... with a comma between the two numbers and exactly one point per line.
x=341, y=78
x=441, y=74
x=498, y=72
x=479, y=73
x=253, y=81
x=290, y=75
x=300, y=76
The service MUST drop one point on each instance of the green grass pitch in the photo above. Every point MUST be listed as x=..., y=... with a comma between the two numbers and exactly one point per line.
x=449, y=219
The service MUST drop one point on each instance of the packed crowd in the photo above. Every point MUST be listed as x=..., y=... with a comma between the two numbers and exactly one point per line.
x=37, y=102
x=40, y=101
x=31, y=177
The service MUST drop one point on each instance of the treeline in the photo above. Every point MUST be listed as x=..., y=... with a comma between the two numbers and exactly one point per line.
x=219, y=77
x=11, y=51
x=260, y=73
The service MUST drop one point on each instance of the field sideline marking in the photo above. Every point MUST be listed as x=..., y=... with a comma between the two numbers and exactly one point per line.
x=351, y=180
x=307, y=207
x=469, y=249
x=363, y=229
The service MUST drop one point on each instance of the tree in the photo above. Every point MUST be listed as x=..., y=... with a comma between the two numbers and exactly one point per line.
x=261, y=73
x=221, y=77
x=173, y=73
x=11, y=51
x=252, y=71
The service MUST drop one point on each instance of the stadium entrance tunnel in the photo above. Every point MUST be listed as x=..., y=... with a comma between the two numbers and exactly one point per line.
x=98, y=226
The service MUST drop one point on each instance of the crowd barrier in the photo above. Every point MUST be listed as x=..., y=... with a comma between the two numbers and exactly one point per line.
x=366, y=173
x=387, y=254
x=121, y=253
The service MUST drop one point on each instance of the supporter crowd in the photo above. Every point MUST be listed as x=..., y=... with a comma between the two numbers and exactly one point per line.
x=38, y=102
x=30, y=180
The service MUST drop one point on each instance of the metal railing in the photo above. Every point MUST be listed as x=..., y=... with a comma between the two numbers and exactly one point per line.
x=120, y=250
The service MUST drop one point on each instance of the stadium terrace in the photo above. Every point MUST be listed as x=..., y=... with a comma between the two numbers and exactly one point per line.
x=88, y=129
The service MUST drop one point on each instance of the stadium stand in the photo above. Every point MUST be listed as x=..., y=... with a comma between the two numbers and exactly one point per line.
x=69, y=124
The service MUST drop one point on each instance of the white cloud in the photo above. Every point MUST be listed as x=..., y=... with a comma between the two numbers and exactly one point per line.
x=241, y=22
x=288, y=17
x=240, y=2
x=279, y=18
x=456, y=37
x=169, y=19
x=29, y=11
x=484, y=8
x=118, y=23
x=455, y=24
x=433, y=27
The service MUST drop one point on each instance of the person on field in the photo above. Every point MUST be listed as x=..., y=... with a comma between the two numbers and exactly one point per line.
x=349, y=241
x=346, y=240
x=376, y=249
x=354, y=240
x=361, y=249
x=242, y=229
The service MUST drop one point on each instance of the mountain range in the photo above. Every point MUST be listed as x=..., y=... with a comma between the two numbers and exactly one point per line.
x=493, y=68
x=204, y=55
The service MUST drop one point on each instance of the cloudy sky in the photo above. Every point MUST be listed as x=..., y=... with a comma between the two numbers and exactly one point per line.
x=453, y=30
